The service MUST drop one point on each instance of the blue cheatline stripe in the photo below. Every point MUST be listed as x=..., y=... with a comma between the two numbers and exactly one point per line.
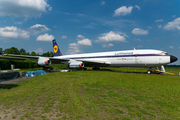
x=112, y=56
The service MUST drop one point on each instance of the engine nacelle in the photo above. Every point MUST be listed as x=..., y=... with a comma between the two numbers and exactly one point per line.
x=43, y=61
x=76, y=64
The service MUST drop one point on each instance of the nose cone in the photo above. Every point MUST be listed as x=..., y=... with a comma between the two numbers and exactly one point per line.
x=173, y=58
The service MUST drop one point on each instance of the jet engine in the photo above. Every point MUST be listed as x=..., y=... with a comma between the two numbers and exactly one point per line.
x=75, y=64
x=43, y=61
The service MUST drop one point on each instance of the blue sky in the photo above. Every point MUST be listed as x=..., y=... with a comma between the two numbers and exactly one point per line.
x=84, y=26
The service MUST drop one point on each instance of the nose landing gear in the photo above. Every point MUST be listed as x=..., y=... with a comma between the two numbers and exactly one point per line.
x=157, y=71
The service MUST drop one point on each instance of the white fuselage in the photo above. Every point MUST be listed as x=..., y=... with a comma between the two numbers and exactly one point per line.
x=129, y=58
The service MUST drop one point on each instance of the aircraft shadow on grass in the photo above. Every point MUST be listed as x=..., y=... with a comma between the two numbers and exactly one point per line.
x=8, y=86
x=104, y=69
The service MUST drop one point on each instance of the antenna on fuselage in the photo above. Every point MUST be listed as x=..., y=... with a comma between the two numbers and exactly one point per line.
x=134, y=48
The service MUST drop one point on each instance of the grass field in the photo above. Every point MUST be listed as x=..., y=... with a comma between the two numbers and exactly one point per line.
x=93, y=95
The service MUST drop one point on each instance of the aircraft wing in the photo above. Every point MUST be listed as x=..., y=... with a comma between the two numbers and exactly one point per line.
x=87, y=62
x=23, y=57
x=96, y=62
x=33, y=57
x=58, y=59
x=12, y=58
x=20, y=56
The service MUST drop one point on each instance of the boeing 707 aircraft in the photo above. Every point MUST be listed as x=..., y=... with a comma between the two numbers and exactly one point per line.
x=128, y=58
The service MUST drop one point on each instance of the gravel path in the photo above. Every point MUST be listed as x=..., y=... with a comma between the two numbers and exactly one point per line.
x=14, y=81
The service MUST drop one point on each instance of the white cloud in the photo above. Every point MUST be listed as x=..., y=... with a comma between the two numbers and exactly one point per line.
x=122, y=23
x=73, y=48
x=158, y=20
x=138, y=39
x=23, y=8
x=13, y=32
x=138, y=31
x=79, y=14
x=81, y=41
x=45, y=37
x=173, y=25
x=103, y=2
x=173, y=15
x=179, y=47
x=122, y=11
x=21, y=22
x=111, y=37
x=39, y=50
x=171, y=47
x=159, y=26
x=18, y=22
x=140, y=46
x=136, y=6
x=64, y=37
x=80, y=36
x=108, y=45
x=149, y=27
x=86, y=42
x=38, y=28
x=50, y=8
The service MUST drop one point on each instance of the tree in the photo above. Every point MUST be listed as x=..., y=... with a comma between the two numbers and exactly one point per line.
x=37, y=54
x=12, y=50
x=51, y=54
x=33, y=53
x=46, y=54
x=1, y=51
x=27, y=53
x=22, y=51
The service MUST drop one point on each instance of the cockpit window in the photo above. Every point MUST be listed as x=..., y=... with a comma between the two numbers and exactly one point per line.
x=164, y=53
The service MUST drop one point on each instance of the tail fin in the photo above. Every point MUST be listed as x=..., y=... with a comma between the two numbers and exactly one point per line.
x=57, y=51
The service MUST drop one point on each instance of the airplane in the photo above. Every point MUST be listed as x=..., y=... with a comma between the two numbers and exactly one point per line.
x=128, y=58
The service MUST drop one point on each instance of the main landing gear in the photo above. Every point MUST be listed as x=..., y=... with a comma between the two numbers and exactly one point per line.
x=95, y=68
x=83, y=68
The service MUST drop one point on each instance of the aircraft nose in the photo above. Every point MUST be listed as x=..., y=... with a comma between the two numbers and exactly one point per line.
x=173, y=58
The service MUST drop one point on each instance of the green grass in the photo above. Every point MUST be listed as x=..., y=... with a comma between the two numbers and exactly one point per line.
x=93, y=95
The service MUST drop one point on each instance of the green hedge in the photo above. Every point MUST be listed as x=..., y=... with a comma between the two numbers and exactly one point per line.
x=6, y=64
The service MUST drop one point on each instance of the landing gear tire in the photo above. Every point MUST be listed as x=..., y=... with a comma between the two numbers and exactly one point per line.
x=149, y=72
x=95, y=68
x=83, y=68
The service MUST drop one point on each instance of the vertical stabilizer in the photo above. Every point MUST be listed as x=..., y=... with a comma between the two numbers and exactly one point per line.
x=56, y=50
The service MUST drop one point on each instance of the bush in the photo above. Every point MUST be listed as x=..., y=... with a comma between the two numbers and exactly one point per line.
x=6, y=64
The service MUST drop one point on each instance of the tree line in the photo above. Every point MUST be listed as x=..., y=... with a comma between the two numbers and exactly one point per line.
x=14, y=50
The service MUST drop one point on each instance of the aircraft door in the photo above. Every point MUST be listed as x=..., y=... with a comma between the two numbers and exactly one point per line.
x=136, y=59
x=139, y=60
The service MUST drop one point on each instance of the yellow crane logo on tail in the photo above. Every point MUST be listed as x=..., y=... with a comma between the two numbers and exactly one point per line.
x=55, y=49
